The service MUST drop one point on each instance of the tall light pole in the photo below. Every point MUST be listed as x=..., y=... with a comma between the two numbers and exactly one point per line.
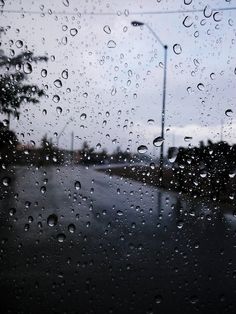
x=165, y=47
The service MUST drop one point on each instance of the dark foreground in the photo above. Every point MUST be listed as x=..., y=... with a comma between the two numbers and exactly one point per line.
x=133, y=249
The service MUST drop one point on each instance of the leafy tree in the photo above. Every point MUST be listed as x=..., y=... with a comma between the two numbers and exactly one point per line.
x=13, y=87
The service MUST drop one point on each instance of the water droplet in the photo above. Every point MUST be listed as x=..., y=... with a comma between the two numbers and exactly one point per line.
x=12, y=211
x=187, y=2
x=158, y=141
x=193, y=299
x=217, y=16
x=187, y=22
x=64, y=74
x=177, y=49
x=142, y=149
x=232, y=174
x=5, y=122
x=77, y=185
x=229, y=112
x=71, y=228
x=73, y=31
x=107, y=29
x=27, y=226
x=188, y=138
x=52, y=220
x=44, y=72
x=83, y=116
x=113, y=91
x=173, y=153
x=58, y=83
x=120, y=213
x=180, y=224
x=27, y=67
x=230, y=22
x=158, y=299
x=212, y=76
x=66, y=3
x=111, y=44
x=19, y=43
x=203, y=174
x=59, y=110
x=43, y=190
x=200, y=87
x=56, y=98
x=61, y=237
x=150, y=121
x=207, y=11
x=98, y=146
x=6, y=181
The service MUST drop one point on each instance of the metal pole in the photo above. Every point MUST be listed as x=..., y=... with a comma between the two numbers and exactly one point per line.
x=163, y=116
x=165, y=47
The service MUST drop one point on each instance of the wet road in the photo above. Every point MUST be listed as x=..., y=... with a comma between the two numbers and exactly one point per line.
x=133, y=249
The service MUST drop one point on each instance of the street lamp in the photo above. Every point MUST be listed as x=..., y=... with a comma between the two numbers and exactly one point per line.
x=165, y=47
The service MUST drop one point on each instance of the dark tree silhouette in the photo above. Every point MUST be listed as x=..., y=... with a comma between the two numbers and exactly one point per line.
x=14, y=90
x=206, y=170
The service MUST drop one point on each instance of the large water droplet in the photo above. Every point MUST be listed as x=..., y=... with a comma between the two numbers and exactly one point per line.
x=58, y=83
x=229, y=112
x=66, y=3
x=61, y=237
x=64, y=74
x=44, y=72
x=187, y=22
x=107, y=29
x=120, y=213
x=180, y=224
x=217, y=16
x=59, y=110
x=77, y=185
x=71, y=228
x=187, y=2
x=12, y=211
x=27, y=67
x=157, y=142
x=6, y=181
x=142, y=149
x=52, y=220
x=188, y=138
x=207, y=11
x=113, y=91
x=73, y=31
x=19, y=43
x=173, y=153
x=56, y=98
x=43, y=189
x=201, y=87
x=177, y=49
x=83, y=116
x=111, y=44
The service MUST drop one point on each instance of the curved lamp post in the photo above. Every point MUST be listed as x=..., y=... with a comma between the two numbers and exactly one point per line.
x=165, y=47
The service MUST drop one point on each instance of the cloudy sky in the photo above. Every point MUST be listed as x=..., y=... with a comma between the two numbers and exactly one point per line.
x=113, y=93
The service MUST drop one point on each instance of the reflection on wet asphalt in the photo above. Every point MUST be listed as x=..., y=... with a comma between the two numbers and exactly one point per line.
x=112, y=246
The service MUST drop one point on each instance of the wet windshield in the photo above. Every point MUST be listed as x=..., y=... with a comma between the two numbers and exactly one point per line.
x=117, y=156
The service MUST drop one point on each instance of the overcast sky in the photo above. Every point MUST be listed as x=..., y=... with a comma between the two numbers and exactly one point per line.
x=115, y=71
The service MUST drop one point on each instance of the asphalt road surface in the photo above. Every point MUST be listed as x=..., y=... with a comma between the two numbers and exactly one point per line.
x=74, y=240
